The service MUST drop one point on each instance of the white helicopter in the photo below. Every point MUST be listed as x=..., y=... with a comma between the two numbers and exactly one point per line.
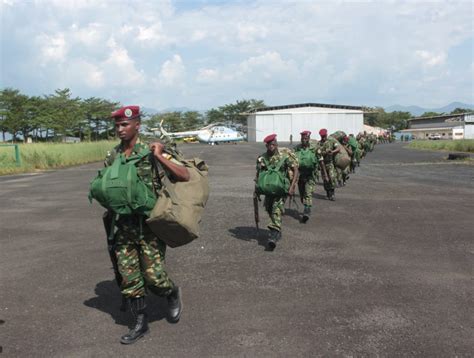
x=212, y=134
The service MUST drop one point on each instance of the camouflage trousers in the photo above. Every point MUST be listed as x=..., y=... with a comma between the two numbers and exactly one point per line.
x=140, y=261
x=342, y=174
x=306, y=184
x=331, y=170
x=275, y=207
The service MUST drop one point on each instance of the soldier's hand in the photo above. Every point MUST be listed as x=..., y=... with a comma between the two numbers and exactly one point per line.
x=291, y=192
x=157, y=148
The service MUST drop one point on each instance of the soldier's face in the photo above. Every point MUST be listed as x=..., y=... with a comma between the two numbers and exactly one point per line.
x=305, y=139
x=272, y=146
x=323, y=138
x=127, y=128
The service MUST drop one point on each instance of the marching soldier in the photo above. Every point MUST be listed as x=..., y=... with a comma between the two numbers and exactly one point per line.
x=139, y=253
x=308, y=164
x=276, y=178
x=328, y=147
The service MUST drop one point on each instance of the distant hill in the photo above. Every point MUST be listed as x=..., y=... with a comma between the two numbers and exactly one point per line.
x=418, y=111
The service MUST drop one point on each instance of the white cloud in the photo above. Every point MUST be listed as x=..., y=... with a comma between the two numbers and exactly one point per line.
x=431, y=59
x=251, y=32
x=172, y=72
x=91, y=35
x=121, y=67
x=207, y=75
x=52, y=48
x=268, y=64
x=153, y=34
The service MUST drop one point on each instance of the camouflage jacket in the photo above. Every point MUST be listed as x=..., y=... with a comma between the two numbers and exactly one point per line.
x=329, y=145
x=289, y=165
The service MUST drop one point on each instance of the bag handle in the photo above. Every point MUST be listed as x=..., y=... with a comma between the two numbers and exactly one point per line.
x=165, y=180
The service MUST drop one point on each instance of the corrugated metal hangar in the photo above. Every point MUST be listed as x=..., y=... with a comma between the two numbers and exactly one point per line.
x=293, y=119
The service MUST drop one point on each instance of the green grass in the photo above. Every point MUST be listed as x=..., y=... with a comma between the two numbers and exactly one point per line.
x=461, y=145
x=40, y=156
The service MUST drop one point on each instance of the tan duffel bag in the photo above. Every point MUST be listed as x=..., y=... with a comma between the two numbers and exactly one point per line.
x=342, y=159
x=177, y=214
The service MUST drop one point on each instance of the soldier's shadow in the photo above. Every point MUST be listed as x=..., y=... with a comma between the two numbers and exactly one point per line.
x=294, y=213
x=320, y=196
x=108, y=299
x=250, y=233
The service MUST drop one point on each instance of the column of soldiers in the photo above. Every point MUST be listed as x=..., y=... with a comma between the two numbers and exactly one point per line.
x=309, y=162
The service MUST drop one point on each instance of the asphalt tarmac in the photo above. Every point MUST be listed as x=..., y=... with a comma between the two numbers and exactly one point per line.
x=385, y=270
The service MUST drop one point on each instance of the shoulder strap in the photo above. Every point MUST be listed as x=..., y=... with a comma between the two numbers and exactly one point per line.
x=280, y=163
x=139, y=156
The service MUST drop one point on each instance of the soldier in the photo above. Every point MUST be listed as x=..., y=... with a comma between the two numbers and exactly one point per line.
x=286, y=163
x=328, y=147
x=140, y=254
x=308, y=160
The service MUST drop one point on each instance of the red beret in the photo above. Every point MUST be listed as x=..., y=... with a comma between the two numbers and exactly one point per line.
x=127, y=112
x=323, y=132
x=306, y=133
x=269, y=138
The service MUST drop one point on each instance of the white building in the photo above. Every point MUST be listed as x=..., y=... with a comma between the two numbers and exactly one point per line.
x=293, y=119
x=469, y=126
x=448, y=126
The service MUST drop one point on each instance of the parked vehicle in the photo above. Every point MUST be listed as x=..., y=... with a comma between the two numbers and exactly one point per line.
x=434, y=136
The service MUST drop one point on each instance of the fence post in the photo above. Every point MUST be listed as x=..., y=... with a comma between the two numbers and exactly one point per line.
x=17, y=155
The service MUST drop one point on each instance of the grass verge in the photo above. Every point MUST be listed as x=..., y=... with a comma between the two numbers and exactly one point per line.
x=41, y=156
x=461, y=145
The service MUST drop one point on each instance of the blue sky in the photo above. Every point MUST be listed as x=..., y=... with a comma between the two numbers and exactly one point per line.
x=202, y=54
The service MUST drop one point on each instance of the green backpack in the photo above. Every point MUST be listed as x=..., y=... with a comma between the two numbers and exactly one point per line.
x=119, y=188
x=306, y=159
x=272, y=181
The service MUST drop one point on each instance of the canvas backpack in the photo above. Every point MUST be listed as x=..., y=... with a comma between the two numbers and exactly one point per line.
x=272, y=181
x=119, y=188
x=306, y=159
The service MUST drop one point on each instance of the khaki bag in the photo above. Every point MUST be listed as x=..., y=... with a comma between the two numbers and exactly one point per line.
x=177, y=214
x=342, y=159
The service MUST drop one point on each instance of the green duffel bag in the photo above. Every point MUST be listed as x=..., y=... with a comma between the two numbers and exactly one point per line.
x=119, y=188
x=177, y=214
x=306, y=159
x=272, y=181
x=342, y=159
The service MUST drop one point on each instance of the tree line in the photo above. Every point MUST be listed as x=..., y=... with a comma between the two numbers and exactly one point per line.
x=397, y=120
x=59, y=115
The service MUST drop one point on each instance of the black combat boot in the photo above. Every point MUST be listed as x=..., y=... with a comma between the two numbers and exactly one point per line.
x=306, y=214
x=137, y=306
x=332, y=195
x=175, y=305
x=275, y=235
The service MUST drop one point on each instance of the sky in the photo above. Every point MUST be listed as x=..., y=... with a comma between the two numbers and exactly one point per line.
x=204, y=54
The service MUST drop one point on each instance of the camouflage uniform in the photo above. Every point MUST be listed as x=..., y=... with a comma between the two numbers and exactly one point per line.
x=140, y=254
x=324, y=148
x=275, y=205
x=307, y=179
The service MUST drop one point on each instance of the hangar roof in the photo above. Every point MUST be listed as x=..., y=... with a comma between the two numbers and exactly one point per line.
x=319, y=105
x=440, y=116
